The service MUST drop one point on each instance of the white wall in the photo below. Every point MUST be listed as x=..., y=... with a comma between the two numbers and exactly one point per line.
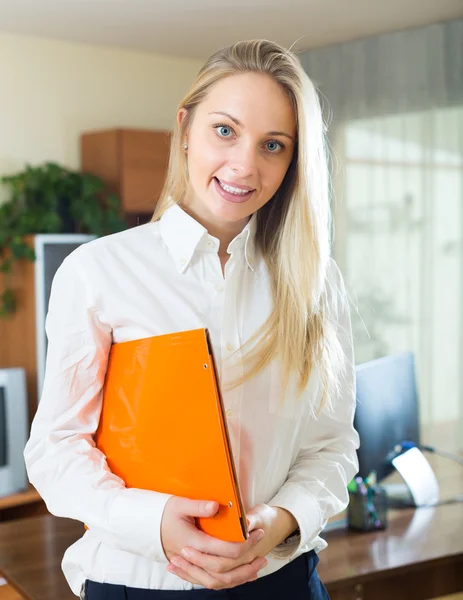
x=51, y=91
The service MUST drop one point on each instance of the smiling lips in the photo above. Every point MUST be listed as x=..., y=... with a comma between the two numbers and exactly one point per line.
x=233, y=193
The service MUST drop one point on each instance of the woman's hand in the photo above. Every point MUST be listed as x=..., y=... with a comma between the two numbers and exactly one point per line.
x=221, y=571
x=178, y=531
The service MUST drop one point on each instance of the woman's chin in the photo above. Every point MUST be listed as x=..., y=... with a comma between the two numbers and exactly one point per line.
x=227, y=212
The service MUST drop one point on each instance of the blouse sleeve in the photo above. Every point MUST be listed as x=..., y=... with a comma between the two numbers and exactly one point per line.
x=62, y=461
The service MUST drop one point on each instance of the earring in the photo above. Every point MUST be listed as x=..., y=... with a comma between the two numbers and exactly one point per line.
x=185, y=146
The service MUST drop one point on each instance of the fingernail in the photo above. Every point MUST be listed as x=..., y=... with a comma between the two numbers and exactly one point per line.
x=175, y=561
x=185, y=553
x=209, y=506
x=260, y=536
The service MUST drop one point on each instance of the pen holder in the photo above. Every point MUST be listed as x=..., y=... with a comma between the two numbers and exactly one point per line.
x=367, y=512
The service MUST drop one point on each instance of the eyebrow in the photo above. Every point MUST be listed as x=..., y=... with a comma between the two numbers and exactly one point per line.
x=225, y=114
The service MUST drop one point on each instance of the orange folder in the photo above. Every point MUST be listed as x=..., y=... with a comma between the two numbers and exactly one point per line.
x=162, y=425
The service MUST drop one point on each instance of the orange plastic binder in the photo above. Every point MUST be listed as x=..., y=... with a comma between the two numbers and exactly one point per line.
x=162, y=425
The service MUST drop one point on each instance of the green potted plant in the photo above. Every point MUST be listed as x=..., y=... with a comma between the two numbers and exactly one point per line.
x=50, y=198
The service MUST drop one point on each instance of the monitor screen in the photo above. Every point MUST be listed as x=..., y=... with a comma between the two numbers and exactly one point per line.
x=50, y=251
x=387, y=410
x=53, y=255
x=3, y=428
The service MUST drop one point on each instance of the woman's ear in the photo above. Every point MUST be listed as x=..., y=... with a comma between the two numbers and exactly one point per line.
x=182, y=113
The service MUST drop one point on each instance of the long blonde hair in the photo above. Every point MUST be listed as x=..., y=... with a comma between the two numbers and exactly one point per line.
x=293, y=228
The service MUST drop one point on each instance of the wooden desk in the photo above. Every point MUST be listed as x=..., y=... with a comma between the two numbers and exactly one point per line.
x=22, y=504
x=31, y=551
x=419, y=556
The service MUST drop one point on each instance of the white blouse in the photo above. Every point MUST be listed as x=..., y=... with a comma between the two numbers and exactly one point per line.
x=155, y=279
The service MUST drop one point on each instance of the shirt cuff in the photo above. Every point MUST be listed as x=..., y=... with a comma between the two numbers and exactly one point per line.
x=135, y=522
x=305, y=509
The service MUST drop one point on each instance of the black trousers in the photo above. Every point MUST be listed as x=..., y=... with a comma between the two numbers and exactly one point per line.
x=298, y=580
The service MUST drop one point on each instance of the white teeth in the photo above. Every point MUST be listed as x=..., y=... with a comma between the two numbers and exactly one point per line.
x=232, y=190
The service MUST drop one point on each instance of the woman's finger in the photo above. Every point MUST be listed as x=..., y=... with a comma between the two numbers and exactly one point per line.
x=194, y=574
x=209, y=562
x=239, y=575
x=182, y=574
x=235, y=550
x=242, y=574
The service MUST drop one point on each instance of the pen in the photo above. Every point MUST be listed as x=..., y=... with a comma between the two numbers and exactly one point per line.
x=352, y=487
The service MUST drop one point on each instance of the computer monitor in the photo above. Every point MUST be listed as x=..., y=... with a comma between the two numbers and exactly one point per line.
x=14, y=429
x=50, y=251
x=387, y=410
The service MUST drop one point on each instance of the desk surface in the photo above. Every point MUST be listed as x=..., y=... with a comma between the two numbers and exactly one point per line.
x=412, y=537
x=31, y=549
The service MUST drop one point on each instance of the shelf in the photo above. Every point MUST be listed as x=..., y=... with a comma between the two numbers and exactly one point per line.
x=27, y=497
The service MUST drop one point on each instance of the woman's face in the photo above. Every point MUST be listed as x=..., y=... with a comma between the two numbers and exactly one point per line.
x=240, y=145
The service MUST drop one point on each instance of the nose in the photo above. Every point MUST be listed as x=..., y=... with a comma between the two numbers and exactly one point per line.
x=243, y=160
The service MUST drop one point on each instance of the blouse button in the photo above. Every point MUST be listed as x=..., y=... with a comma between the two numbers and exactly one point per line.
x=229, y=413
x=229, y=347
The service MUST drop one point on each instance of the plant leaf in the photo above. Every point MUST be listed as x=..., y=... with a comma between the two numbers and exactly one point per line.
x=7, y=303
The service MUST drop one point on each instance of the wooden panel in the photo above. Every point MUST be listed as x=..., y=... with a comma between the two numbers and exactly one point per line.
x=27, y=497
x=145, y=155
x=422, y=582
x=18, y=349
x=8, y=592
x=22, y=511
x=18, y=331
x=23, y=504
x=140, y=146
x=131, y=162
x=100, y=155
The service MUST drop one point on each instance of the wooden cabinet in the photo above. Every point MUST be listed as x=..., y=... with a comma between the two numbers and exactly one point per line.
x=18, y=340
x=132, y=163
x=18, y=349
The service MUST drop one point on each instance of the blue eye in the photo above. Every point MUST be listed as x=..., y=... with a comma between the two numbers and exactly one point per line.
x=225, y=131
x=223, y=128
x=275, y=146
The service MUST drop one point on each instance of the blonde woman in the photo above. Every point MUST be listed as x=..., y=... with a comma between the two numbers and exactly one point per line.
x=239, y=243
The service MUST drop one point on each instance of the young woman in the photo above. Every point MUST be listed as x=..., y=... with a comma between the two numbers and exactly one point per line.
x=239, y=243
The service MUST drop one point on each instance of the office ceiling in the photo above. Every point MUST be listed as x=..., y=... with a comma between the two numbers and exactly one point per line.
x=196, y=28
